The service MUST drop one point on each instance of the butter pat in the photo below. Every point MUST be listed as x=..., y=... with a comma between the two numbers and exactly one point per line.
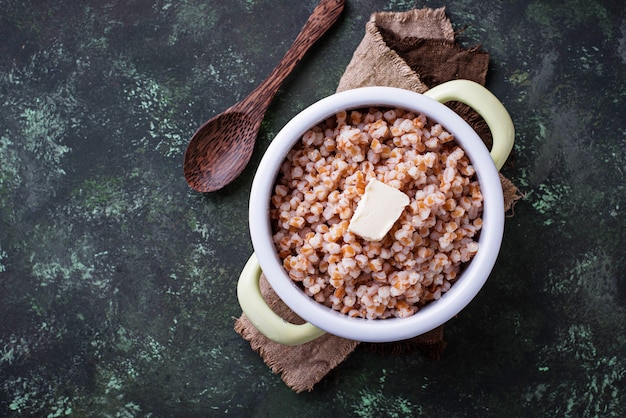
x=379, y=208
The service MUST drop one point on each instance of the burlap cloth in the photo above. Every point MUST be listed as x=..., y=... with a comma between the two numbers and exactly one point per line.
x=413, y=50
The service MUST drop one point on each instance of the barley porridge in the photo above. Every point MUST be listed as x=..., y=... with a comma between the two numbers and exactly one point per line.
x=317, y=191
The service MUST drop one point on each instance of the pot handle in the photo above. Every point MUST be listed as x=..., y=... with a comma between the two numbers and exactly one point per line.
x=263, y=317
x=488, y=106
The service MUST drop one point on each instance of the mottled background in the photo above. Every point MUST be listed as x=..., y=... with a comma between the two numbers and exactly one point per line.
x=117, y=282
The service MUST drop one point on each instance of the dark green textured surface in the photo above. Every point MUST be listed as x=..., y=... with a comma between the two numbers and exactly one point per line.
x=117, y=282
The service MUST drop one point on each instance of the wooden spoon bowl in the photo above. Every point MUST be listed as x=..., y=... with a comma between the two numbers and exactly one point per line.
x=211, y=164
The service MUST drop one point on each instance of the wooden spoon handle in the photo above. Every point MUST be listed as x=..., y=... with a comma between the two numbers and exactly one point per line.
x=323, y=17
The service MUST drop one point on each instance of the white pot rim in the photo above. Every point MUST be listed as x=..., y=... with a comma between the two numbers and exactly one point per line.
x=465, y=288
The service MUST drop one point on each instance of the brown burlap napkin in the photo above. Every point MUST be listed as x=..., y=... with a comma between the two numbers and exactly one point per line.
x=413, y=50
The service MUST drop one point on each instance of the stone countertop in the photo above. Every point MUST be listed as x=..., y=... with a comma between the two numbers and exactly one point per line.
x=117, y=281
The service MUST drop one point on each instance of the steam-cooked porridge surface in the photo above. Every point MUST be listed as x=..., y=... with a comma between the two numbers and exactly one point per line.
x=317, y=191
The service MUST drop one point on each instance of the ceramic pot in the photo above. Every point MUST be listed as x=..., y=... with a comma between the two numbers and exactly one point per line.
x=321, y=319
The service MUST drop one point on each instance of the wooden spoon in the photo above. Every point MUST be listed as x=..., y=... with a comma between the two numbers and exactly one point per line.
x=221, y=148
